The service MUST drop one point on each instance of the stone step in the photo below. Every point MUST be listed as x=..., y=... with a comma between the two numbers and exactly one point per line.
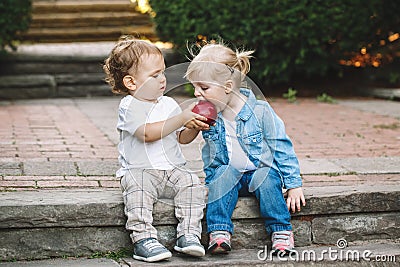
x=59, y=85
x=65, y=262
x=377, y=253
x=35, y=75
x=87, y=34
x=70, y=6
x=368, y=254
x=41, y=224
x=85, y=21
x=384, y=93
x=96, y=19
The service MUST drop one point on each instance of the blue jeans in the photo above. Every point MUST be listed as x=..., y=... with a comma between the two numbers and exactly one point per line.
x=225, y=186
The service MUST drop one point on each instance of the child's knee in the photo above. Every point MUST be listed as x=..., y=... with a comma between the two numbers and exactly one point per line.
x=267, y=179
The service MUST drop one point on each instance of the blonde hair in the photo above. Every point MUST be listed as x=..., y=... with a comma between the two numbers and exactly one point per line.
x=124, y=59
x=230, y=63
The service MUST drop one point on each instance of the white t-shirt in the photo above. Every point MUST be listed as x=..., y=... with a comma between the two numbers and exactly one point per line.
x=163, y=154
x=237, y=157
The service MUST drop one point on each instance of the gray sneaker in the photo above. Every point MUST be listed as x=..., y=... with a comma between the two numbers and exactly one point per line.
x=190, y=244
x=150, y=250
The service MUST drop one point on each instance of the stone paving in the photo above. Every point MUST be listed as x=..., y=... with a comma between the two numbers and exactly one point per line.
x=71, y=143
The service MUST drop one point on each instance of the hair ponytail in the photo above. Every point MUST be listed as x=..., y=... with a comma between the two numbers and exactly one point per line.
x=243, y=61
x=229, y=63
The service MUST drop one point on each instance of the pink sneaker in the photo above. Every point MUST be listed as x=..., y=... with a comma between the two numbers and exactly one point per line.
x=220, y=242
x=282, y=242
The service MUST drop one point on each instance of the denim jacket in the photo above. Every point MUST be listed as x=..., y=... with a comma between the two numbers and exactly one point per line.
x=261, y=134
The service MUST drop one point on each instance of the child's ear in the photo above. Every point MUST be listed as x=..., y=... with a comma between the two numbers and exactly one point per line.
x=129, y=82
x=228, y=86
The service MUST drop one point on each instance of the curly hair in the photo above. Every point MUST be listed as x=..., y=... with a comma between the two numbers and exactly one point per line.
x=124, y=59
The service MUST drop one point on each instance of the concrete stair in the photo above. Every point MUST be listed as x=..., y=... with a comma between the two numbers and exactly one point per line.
x=56, y=21
x=59, y=70
x=306, y=256
x=52, y=76
x=60, y=223
x=373, y=254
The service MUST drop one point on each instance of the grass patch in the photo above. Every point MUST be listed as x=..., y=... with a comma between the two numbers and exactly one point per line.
x=334, y=174
x=114, y=255
x=325, y=98
x=290, y=96
x=392, y=126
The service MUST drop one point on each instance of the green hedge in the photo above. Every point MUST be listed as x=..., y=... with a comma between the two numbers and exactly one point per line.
x=291, y=38
x=15, y=17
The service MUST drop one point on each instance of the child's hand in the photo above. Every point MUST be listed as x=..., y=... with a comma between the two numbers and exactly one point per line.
x=194, y=120
x=295, y=197
x=197, y=124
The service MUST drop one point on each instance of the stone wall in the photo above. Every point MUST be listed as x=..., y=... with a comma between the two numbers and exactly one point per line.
x=42, y=224
x=66, y=73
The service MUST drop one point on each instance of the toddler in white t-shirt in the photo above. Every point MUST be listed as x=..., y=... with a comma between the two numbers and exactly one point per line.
x=151, y=126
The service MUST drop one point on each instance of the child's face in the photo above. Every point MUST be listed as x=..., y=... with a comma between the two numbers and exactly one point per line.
x=213, y=92
x=150, y=79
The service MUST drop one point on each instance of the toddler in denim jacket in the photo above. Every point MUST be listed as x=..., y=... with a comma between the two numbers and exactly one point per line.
x=246, y=150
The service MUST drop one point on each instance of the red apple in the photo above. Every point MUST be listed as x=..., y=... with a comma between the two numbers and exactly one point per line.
x=206, y=109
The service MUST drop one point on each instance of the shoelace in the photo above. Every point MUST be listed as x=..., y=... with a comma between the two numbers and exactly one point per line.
x=152, y=244
x=191, y=238
x=281, y=238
